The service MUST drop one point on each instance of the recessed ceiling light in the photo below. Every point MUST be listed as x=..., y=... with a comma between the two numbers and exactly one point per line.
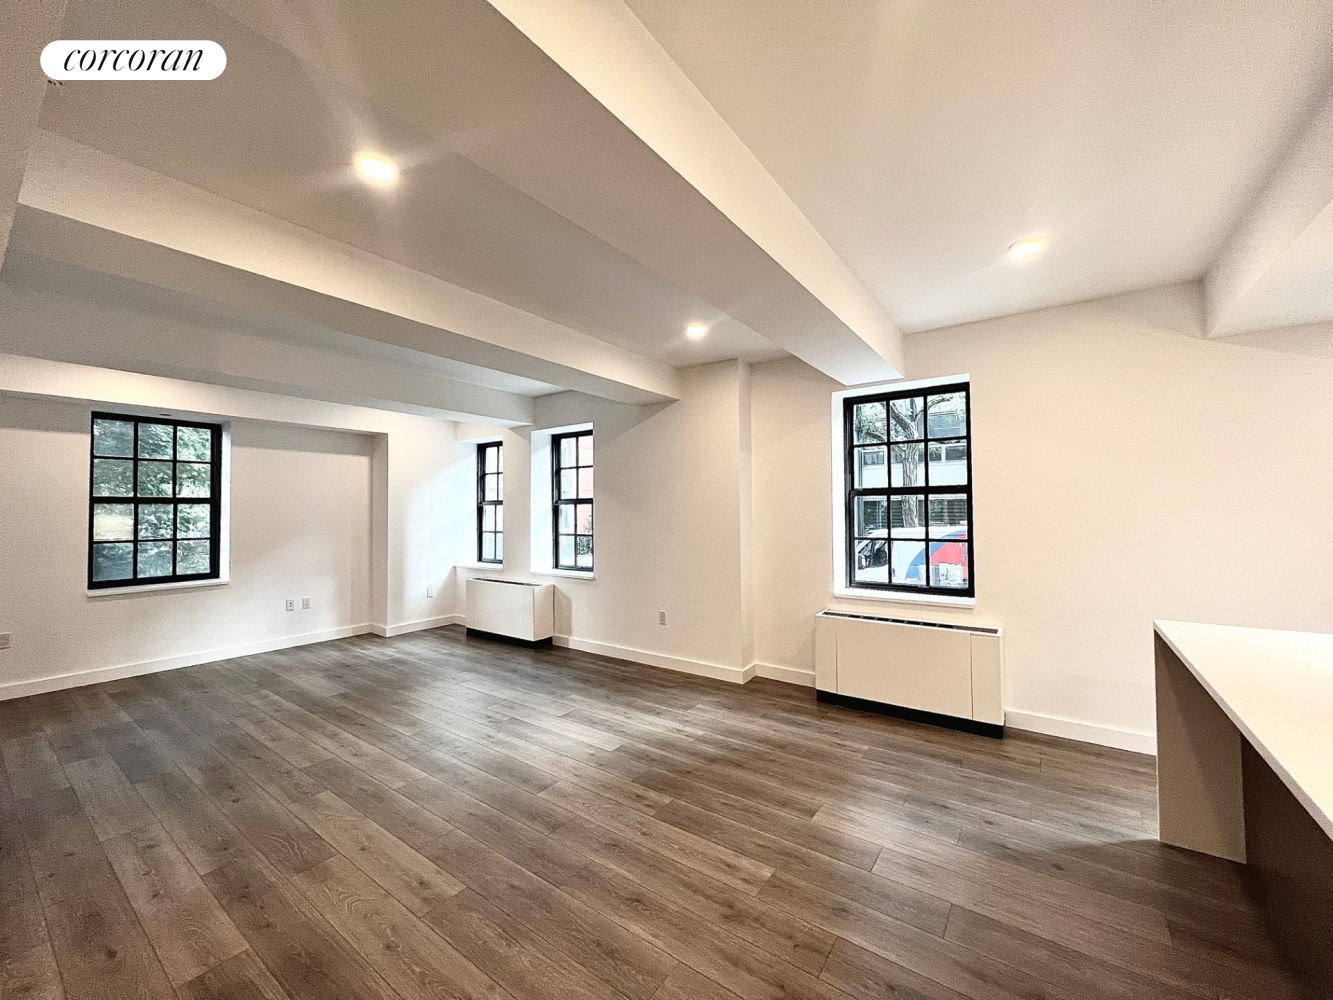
x=696, y=331
x=376, y=168
x=1026, y=248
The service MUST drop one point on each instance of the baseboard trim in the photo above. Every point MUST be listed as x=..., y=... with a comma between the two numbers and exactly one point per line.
x=1083, y=732
x=391, y=630
x=788, y=675
x=733, y=675
x=972, y=726
x=100, y=675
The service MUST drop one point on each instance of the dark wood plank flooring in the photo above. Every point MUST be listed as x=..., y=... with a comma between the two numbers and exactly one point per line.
x=432, y=816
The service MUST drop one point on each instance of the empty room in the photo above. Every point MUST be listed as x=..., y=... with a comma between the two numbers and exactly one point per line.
x=666, y=500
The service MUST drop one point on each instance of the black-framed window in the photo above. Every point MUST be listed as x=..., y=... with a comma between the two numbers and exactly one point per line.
x=155, y=501
x=490, y=503
x=571, y=506
x=909, y=490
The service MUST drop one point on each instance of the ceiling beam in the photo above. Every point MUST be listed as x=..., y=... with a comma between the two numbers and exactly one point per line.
x=99, y=212
x=602, y=45
x=28, y=27
x=65, y=313
x=1249, y=285
x=464, y=74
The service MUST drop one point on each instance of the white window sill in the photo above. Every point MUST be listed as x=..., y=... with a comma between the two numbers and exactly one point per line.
x=897, y=597
x=570, y=574
x=154, y=587
x=485, y=567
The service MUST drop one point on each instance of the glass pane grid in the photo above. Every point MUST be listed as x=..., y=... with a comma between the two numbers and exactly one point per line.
x=903, y=531
x=152, y=536
x=490, y=503
x=572, y=488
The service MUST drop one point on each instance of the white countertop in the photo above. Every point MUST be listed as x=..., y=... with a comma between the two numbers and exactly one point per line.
x=1277, y=687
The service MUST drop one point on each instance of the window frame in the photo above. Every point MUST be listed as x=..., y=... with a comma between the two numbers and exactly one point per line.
x=213, y=501
x=482, y=503
x=557, y=502
x=848, y=448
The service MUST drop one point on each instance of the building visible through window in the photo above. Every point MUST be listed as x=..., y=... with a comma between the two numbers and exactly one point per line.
x=909, y=490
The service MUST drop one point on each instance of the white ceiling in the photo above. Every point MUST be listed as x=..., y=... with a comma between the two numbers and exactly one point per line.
x=581, y=180
x=922, y=137
x=290, y=158
x=517, y=186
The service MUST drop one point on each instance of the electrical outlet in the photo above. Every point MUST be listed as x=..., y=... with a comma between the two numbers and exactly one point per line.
x=4, y=639
x=291, y=604
x=661, y=618
x=305, y=604
x=430, y=591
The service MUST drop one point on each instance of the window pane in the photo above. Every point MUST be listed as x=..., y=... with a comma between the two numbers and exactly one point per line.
x=113, y=562
x=499, y=547
x=569, y=484
x=566, y=550
x=908, y=564
x=585, y=450
x=194, y=444
x=155, y=479
x=193, y=480
x=192, y=520
x=155, y=520
x=155, y=440
x=905, y=419
x=583, y=547
x=491, y=487
x=948, y=517
x=488, y=546
x=583, y=520
x=568, y=452
x=948, y=463
x=488, y=519
x=492, y=459
x=499, y=518
x=115, y=438
x=870, y=469
x=948, y=564
x=113, y=477
x=192, y=557
x=908, y=467
x=566, y=519
x=871, y=517
x=113, y=522
x=872, y=562
x=585, y=483
x=154, y=558
x=947, y=415
x=868, y=423
x=907, y=517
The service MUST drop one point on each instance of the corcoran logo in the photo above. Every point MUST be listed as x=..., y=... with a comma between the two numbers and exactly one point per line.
x=66, y=59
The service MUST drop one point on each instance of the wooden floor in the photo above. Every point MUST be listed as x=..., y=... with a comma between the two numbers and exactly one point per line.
x=436, y=816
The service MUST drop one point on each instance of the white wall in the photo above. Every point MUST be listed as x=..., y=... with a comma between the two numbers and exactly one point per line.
x=1125, y=470
x=411, y=467
x=668, y=499
x=300, y=527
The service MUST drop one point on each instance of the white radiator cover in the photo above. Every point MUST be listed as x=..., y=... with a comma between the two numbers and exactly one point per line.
x=511, y=608
x=955, y=670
